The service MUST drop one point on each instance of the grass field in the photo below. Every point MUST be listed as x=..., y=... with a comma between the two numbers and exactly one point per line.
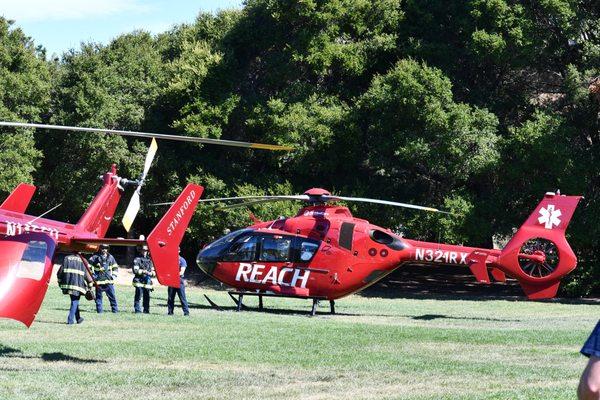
x=375, y=348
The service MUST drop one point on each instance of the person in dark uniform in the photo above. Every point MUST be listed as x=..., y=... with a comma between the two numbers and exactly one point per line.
x=74, y=280
x=589, y=385
x=143, y=271
x=180, y=292
x=105, y=268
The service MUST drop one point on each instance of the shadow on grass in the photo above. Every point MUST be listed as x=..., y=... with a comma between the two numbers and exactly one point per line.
x=306, y=312
x=49, y=322
x=51, y=357
x=278, y=311
x=11, y=352
x=431, y=317
x=6, y=351
x=450, y=283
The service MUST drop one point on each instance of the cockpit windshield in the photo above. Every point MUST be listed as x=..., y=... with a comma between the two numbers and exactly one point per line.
x=227, y=238
x=216, y=248
x=248, y=245
x=244, y=249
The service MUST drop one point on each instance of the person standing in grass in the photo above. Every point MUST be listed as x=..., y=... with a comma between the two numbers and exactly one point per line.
x=74, y=280
x=105, y=270
x=180, y=292
x=589, y=385
x=143, y=271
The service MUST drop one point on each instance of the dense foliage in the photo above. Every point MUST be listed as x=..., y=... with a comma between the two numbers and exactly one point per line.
x=476, y=106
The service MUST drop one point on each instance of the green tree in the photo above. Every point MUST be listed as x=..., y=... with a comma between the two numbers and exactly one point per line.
x=24, y=96
x=114, y=86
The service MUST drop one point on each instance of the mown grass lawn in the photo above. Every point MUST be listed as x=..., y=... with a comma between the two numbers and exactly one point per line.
x=374, y=348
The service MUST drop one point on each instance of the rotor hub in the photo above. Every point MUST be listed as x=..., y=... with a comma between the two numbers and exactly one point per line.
x=317, y=192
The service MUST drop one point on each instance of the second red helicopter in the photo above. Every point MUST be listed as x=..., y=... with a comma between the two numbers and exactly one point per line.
x=325, y=253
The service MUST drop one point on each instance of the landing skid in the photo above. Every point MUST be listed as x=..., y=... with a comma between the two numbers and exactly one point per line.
x=241, y=306
x=212, y=303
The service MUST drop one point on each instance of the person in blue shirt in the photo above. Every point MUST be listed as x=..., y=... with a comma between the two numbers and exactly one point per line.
x=589, y=385
x=180, y=292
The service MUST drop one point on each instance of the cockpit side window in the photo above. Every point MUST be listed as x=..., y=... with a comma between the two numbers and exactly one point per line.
x=33, y=261
x=244, y=249
x=307, y=251
x=275, y=248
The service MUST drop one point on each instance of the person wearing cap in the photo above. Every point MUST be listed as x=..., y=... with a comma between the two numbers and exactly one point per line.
x=74, y=280
x=180, y=292
x=143, y=271
x=589, y=385
x=105, y=268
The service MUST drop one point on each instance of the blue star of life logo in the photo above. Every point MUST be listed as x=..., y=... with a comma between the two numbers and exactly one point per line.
x=549, y=216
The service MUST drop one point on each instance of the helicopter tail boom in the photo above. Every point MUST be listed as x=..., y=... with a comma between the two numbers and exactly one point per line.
x=99, y=214
x=538, y=255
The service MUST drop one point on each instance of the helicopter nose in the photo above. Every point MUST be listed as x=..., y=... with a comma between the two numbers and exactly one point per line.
x=206, y=262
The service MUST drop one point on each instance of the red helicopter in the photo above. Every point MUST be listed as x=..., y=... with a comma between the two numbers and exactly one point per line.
x=28, y=243
x=325, y=253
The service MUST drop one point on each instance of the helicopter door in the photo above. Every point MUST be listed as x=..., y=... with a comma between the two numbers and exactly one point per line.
x=276, y=256
x=275, y=249
x=25, y=268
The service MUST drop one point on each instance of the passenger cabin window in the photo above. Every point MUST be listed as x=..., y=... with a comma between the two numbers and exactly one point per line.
x=275, y=248
x=244, y=249
x=308, y=250
x=33, y=261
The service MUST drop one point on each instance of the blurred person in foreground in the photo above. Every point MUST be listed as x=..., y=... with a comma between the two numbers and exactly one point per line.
x=589, y=385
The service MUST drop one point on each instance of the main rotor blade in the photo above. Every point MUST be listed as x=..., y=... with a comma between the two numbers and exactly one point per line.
x=223, y=142
x=265, y=200
x=269, y=198
x=388, y=203
x=319, y=199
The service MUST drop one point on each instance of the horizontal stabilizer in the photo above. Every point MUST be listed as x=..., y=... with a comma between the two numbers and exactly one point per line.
x=498, y=275
x=477, y=265
x=109, y=241
x=19, y=199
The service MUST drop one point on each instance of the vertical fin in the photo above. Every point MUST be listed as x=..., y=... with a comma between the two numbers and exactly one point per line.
x=19, y=199
x=99, y=214
x=543, y=291
x=165, y=238
x=548, y=248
